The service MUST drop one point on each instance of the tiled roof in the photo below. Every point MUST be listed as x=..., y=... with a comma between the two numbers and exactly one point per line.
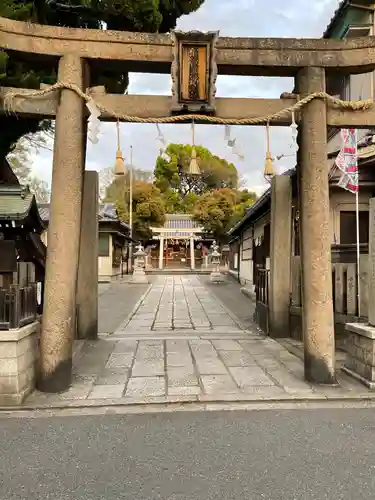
x=44, y=211
x=15, y=202
x=180, y=221
x=343, y=5
x=338, y=12
x=266, y=196
x=107, y=213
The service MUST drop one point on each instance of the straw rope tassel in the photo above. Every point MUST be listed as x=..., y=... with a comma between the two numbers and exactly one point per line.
x=119, y=164
x=193, y=167
x=268, y=167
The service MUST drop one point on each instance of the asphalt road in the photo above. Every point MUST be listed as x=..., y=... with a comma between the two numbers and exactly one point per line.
x=301, y=454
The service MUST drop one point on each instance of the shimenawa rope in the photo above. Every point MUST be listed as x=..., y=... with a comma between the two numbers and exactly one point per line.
x=339, y=103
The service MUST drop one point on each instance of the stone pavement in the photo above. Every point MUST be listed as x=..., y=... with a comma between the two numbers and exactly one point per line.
x=180, y=305
x=181, y=344
x=115, y=302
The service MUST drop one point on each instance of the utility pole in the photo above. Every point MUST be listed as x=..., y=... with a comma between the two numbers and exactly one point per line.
x=130, y=254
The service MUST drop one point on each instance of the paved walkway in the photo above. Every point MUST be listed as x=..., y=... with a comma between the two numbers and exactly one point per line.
x=116, y=301
x=181, y=344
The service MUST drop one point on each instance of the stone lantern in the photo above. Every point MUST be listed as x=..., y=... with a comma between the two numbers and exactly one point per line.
x=216, y=276
x=139, y=275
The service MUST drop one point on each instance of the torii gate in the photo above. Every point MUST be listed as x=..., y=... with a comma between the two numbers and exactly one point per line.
x=77, y=51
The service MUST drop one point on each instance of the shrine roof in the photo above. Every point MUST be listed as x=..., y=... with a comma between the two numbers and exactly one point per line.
x=17, y=203
x=180, y=221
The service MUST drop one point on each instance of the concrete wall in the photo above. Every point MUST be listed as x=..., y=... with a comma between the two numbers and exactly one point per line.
x=246, y=254
x=19, y=356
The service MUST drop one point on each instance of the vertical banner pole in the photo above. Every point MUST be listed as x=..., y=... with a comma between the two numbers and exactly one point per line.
x=358, y=253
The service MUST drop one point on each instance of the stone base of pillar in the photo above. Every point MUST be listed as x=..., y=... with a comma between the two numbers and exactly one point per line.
x=216, y=277
x=360, y=353
x=139, y=277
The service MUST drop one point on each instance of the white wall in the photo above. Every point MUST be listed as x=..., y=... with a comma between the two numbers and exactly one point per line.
x=105, y=264
x=246, y=256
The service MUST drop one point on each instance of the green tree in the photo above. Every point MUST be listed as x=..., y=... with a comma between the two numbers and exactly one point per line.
x=148, y=205
x=124, y=15
x=218, y=210
x=173, y=173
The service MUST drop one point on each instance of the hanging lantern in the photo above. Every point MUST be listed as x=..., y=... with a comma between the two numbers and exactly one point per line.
x=120, y=169
x=194, y=166
x=269, y=171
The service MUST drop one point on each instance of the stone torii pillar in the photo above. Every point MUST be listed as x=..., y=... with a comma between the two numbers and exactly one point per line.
x=87, y=278
x=317, y=306
x=161, y=253
x=280, y=255
x=192, y=253
x=56, y=343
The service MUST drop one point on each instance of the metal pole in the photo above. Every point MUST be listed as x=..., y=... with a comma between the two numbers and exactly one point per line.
x=358, y=254
x=130, y=209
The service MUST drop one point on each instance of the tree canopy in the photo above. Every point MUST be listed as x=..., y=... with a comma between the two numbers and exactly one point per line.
x=124, y=15
x=213, y=197
x=148, y=205
x=219, y=210
x=172, y=167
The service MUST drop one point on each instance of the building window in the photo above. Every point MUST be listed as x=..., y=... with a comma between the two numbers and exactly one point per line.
x=103, y=245
x=360, y=86
x=358, y=30
x=348, y=227
x=339, y=85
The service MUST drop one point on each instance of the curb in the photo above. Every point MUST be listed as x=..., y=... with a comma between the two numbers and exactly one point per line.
x=190, y=403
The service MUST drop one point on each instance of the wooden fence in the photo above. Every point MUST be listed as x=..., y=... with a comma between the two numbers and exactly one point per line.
x=262, y=286
x=18, y=306
x=262, y=299
x=344, y=282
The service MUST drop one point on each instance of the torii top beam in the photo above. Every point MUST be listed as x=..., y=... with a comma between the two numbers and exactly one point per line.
x=153, y=52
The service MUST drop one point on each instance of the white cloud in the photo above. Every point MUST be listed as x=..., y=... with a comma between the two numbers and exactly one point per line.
x=245, y=19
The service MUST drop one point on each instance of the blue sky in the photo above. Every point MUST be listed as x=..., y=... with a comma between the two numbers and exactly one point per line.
x=289, y=18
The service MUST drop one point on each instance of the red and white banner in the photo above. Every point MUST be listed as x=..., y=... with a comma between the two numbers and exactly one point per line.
x=347, y=160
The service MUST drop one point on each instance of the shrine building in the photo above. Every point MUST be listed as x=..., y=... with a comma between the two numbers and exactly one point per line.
x=180, y=244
